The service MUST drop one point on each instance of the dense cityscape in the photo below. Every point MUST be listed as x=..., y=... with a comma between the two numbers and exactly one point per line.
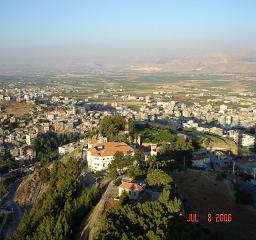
x=128, y=120
x=122, y=142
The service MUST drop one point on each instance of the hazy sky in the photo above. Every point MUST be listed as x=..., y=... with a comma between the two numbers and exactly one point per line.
x=71, y=31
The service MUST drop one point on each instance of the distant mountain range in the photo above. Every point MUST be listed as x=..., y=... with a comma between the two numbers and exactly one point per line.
x=207, y=64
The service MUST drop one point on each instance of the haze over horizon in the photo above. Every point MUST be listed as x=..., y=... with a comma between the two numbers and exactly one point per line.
x=56, y=34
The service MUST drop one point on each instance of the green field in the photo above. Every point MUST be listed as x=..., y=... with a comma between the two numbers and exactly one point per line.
x=136, y=83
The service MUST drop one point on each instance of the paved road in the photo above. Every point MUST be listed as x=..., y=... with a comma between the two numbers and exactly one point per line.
x=8, y=202
x=12, y=192
x=3, y=223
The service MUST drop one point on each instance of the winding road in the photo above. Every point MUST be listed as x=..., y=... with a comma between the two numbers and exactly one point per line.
x=9, y=203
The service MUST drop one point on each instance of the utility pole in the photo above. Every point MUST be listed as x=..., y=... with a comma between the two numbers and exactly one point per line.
x=234, y=163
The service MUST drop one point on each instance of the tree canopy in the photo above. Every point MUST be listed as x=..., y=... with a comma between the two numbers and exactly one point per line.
x=157, y=177
x=156, y=134
x=110, y=127
x=46, y=145
x=60, y=209
x=149, y=220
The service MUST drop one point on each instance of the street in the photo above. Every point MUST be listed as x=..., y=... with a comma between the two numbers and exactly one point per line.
x=10, y=204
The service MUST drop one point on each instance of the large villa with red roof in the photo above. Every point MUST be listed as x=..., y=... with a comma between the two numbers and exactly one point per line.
x=101, y=154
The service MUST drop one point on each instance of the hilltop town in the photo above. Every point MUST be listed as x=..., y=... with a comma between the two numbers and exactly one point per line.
x=135, y=142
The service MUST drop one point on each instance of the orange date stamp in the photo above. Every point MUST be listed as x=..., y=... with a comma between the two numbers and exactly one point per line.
x=218, y=218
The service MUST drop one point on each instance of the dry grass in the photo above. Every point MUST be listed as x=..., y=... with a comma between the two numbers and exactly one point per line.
x=206, y=195
x=26, y=190
x=219, y=142
x=16, y=108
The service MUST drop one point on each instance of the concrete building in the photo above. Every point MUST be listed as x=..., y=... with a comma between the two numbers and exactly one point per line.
x=222, y=120
x=248, y=141
x=133, y=190
x=229, y=120
x=190, y=124
x=201, y=161
x=223, y=108
x=30, y=138
x=100, y=155
x=64, y=149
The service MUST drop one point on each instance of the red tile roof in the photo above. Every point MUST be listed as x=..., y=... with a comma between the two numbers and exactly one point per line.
x=131, y=186
x=110, y=148
x=94, y=139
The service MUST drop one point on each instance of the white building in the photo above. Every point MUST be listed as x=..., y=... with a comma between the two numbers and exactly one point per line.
x=51, y=116
x=26, y=97
x=223, y=108
x=222, y=120
x=229, y=120
x=221, y=159
x=133, y=190
x=64, y=149
x=216, y=130
x=234, y=135
x=201, y=159
x=190, y=124
x=201, y=162
x=100, y=155
x=30, y=138
x=248, y=141
x=202, y=129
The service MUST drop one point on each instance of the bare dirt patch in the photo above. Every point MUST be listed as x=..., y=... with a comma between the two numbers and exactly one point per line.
x=17, y=109
x=204, y=194
x=25, y=193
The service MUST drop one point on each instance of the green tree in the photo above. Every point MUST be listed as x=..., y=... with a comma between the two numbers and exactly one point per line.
x=2, y=186
x=165, y=196
x=110, y=126
x=135, y=171
x=157, y=177
x=112, y=172
x=44, y=174
x=146, y=221
x=119, y=163
x=59, y=211
x=124, y=199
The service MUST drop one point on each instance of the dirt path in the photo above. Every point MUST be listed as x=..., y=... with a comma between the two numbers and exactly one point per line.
x=94, y=216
